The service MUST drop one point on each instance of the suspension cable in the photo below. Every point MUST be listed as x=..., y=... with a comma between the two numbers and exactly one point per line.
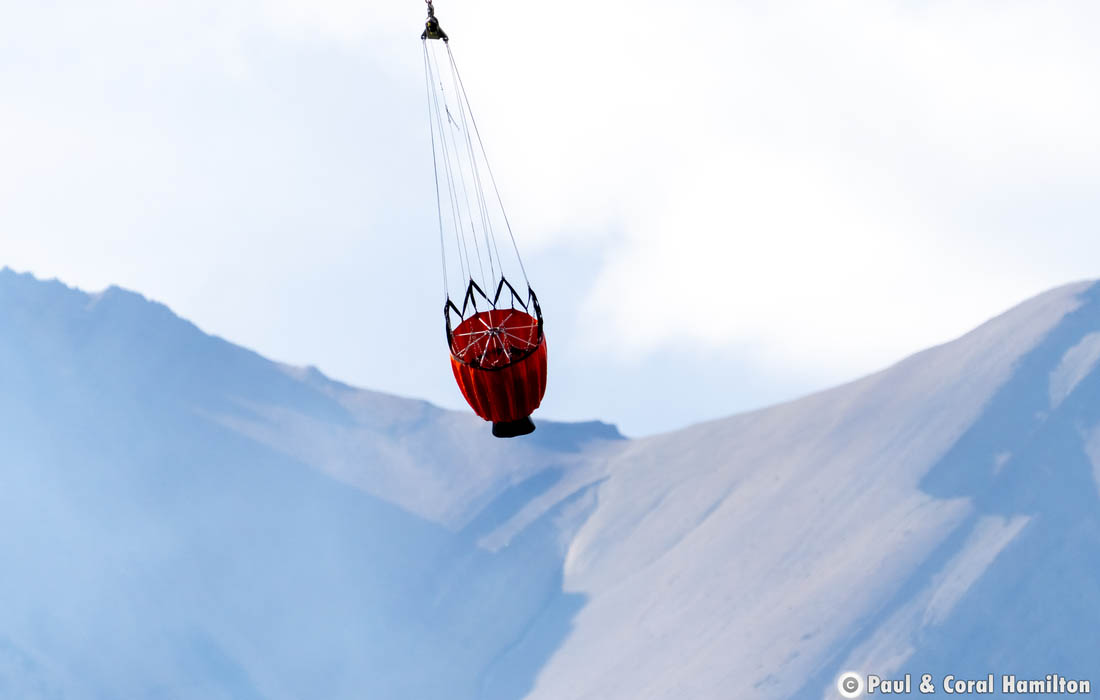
x=456, y=219
x=435, y=171
x=457, y=170
x=489, y=167
x=486, y=219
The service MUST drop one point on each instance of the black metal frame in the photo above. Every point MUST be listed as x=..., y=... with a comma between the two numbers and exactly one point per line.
x=470, y=301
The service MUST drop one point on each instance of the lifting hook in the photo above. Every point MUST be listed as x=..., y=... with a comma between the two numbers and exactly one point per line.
x=432, y=30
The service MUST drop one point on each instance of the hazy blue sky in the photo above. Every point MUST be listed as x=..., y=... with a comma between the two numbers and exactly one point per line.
x=721, y=204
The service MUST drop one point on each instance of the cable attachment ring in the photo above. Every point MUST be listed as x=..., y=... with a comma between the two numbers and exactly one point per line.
x=432, y=30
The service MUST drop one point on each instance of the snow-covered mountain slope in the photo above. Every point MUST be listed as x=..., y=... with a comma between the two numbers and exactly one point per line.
x=182, y=518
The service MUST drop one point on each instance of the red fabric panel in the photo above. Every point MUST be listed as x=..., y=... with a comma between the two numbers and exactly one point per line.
x=501, y=389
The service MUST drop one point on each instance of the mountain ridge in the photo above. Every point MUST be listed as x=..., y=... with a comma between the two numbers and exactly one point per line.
x=184, y=514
